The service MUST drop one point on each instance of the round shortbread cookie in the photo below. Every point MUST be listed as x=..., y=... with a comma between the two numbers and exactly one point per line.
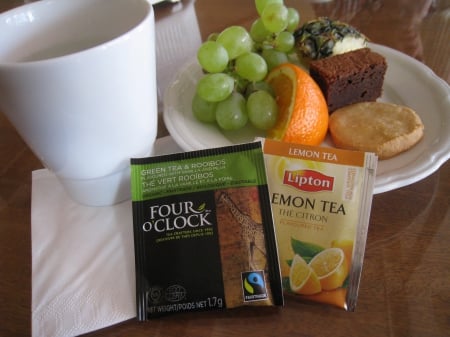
x=384, y=128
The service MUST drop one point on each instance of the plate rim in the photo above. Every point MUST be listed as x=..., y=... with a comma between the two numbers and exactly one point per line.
x=396, y=178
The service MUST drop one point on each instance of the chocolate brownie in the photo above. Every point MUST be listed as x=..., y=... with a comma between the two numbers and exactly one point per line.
x=355, y=76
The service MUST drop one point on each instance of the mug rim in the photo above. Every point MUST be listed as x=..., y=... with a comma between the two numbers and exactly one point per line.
x=24, y=9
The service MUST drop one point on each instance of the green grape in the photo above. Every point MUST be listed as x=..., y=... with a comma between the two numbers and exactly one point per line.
x=236, y=41
x=212, y=37
x=215, y=87
x=275, y=17
x=212, y=56
x=284, y=42
x=261, y=85
x=261, y=4
x=262, y=110
x=274, y=58
x=231, y=113
x=258, y=31
x=293, y=20
x=203, y=110
x=251, y=66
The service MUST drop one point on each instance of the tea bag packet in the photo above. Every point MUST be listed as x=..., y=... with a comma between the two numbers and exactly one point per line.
x=321, y=200
x=203, y=231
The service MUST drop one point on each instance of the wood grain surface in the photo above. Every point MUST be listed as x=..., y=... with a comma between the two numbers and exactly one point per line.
x=405, y=285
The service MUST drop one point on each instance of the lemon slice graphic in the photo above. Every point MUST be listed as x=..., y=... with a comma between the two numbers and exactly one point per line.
x=302, y=279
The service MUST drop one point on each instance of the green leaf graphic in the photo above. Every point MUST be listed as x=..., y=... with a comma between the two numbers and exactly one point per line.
x=286, y=284
x=346, y=282
x=201, y=207
x=305, y=249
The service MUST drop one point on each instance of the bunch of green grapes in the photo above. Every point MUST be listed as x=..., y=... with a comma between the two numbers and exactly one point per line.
x=235, y=62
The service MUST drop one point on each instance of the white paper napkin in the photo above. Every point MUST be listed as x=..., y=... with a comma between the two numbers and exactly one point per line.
x=177, y=40
x=83, y=275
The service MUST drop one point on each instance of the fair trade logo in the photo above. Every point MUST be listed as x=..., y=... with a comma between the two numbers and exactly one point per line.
x=308, y=180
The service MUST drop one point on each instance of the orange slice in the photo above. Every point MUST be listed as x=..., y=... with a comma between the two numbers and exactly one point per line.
x=302, y=109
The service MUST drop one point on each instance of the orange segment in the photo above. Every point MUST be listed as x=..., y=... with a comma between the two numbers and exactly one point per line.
x=302, y=109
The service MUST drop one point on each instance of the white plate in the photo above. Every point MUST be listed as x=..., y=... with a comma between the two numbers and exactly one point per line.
x=407, y=82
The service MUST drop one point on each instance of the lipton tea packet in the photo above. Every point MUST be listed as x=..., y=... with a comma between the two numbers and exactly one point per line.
x=203, y=231
x=321, y=200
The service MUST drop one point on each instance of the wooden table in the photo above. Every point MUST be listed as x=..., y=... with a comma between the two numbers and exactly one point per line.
x=405, y=285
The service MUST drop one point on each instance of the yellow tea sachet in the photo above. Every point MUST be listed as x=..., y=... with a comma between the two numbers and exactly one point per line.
x=203, y=232
x=321, y=200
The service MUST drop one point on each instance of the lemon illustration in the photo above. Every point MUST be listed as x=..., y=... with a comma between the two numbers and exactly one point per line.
x=279, y=167
x=283, y=164
x=331, y=267
x=313, y=165
x=302, y=279
x=347, y=246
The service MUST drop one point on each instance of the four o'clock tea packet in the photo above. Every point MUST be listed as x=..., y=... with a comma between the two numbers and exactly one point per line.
x=203, y=232
x=321, y=199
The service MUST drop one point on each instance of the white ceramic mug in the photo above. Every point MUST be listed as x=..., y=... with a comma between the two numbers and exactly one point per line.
x=78, y=82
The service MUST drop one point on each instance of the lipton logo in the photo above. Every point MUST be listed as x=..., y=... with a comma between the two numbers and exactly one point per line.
x=308, y=180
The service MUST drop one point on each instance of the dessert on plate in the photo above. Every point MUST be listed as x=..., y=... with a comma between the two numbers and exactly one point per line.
x=383, y=128
x=351, y=77
x=341, y=63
